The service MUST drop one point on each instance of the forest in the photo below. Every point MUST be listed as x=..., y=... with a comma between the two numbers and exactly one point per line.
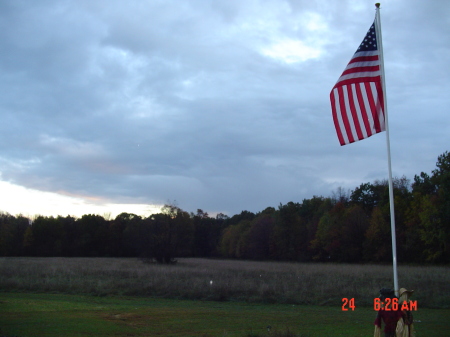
x=349, y=226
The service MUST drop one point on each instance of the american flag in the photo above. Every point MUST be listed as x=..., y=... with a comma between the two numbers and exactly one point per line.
x=357, y=97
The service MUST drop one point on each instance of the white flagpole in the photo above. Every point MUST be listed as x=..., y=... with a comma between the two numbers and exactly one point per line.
x=391, y=188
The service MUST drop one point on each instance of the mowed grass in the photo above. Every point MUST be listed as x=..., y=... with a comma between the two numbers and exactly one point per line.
x=224, y=280
x=38, y=315
x=200, y=297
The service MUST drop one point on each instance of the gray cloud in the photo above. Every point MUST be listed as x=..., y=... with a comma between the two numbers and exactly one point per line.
x=150, y=102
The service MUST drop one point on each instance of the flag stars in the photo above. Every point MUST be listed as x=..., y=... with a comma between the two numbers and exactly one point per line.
x=370, y=41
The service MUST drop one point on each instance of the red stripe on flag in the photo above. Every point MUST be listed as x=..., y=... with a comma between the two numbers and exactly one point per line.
x=358, y=80
x=352, y=105
x=363, y=110
x=373, y=108
x=364, y=59
x=344, y=115
x=380, y=104
x=335, y=119
x=361, y=70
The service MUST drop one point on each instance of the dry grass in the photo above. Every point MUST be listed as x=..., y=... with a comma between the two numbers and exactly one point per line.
x=223, y=280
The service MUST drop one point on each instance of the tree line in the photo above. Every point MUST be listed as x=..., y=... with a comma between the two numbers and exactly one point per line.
x=350, y=226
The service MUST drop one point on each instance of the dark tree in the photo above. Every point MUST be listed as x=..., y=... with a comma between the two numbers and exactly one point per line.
x=124, y=236
x=290, y=233
x=260, y=235
x=167, y=235
x=12, y=233
x=92, y=236
x=207, y=233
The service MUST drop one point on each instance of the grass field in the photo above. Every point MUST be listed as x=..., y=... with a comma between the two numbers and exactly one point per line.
x=199, y=297
x=38, y=315
x=223, y=280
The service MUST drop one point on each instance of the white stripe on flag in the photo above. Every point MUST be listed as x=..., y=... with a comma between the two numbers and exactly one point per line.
x=367, y=107
x=360, y=74
x=358, y=111
x=363, y=64
x=349, y=113
x=337, y=106
x=380, y=108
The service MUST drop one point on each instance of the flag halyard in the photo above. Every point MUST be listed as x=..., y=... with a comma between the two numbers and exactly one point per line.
x=357, y=100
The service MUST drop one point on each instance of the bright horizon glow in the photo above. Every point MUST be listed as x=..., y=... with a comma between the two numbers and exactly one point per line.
x=17, y=200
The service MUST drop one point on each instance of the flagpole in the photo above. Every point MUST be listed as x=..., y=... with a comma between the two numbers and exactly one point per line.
x=391, y=188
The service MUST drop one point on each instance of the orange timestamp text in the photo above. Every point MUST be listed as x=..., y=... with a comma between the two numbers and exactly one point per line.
x=391, y=304
x=348, y=302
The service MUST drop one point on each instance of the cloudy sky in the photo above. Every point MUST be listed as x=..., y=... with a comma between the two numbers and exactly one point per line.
x=110, y=106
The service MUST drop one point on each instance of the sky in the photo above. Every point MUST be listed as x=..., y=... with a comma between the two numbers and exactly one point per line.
x=122, y=106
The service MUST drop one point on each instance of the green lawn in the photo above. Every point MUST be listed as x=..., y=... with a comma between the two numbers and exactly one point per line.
x=23, y=314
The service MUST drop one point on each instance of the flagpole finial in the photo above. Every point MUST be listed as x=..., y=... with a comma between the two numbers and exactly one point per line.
x=377, y=5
